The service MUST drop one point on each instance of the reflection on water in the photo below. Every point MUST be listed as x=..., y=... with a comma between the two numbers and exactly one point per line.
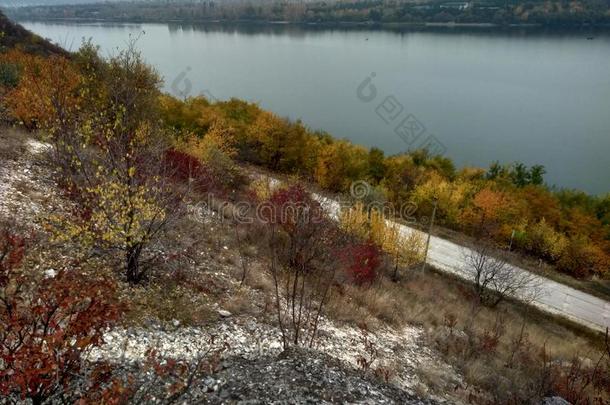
x=533, y=95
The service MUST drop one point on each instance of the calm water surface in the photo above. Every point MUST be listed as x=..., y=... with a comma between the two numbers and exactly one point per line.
x=540, y=98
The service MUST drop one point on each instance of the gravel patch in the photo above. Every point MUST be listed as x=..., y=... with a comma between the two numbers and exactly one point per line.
x=399, y=351
x=26, y=189
x=301, y=377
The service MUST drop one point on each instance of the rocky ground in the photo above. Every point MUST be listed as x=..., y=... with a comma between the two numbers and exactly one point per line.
x=400, y=352
x=296, y=376
x=302, y=376
x=254, y=368
x=26, y=189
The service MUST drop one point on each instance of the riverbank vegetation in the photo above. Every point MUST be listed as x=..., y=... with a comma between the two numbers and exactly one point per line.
x=548, y=13
x=506, y=203
x=128, y=168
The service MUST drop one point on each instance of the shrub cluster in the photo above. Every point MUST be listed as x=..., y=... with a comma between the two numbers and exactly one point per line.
x=46, y=330
x=87, y=95
x=508, y=204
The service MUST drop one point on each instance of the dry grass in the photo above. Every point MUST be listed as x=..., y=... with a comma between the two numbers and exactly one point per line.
x=168, y=303
x=384, y=302
x=241, y=302
x=259, y=279
x=496, y=350
x=12, y=143
x=464, y=333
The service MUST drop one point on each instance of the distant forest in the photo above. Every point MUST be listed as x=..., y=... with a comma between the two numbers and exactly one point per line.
x=23, y=3
x=500, y=12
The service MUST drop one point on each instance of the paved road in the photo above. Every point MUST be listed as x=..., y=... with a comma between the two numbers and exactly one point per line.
x=550, y=296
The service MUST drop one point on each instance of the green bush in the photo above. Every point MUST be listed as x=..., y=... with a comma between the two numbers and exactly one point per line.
x=9, y=75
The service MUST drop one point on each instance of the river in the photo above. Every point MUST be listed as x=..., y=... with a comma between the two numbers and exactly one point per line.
x=475, y=95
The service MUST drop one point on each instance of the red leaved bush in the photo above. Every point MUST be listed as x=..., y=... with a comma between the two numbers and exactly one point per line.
x=46, y=326
x=302, y=220
x=361, y=260
x=12, y=250
x=157, y=380
x=302, y=240
x=185, y=167
x=291, y=208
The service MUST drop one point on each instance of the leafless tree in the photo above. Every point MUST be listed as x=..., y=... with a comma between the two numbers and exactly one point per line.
x=301, y=240
x=301, y=291
x=495, y=279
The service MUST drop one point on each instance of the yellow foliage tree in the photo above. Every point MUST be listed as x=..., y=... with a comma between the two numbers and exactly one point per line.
x=545, y=241
x=267, y=132
x=49, y=94
x=217, y=150
x=339, y=163
x=218, y=139
x=123, y=218
x=355, y=221
x=124, y=201
x=113, y=153
x=405, y=246
x=452, y=197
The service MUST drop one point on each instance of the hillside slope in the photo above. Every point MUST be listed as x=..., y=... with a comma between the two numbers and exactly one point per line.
x=253, y=366
x=184, y=296
x=15, y=36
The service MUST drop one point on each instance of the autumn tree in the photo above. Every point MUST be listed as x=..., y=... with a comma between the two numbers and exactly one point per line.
x=493, y=213
x=402, y=176
x=126, y=193
x=216, y=151
x=450, y=197
x=376, y=165
x=483, y=217
x=582, y=259
x=355, y=221
x=545, y=241
x=404, y=246
x=269, y=133
x=340, y=163
x=101, y=118
x=45, y=94
x=361, y=261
